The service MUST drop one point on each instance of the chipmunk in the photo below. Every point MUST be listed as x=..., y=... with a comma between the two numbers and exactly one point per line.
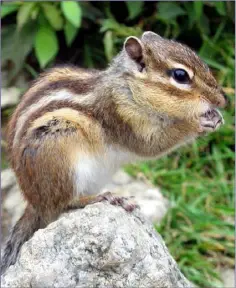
x=74, y=128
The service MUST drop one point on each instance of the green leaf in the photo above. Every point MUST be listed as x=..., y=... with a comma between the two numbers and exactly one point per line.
x=23, y=40
x=90, y=12
x=108, y=45
x=53, y=15
x=134, y=8
x=35, y=12
x=72, y=12
x=120, y=30
x=23, y=14
x=169, y=10
x=46, y=45
x=220, y=7
x=204, y=24
x=198, y=7
x=42, y=21
x=88, y=58
x=70, y=32
x=190, y=11
x=8, y=9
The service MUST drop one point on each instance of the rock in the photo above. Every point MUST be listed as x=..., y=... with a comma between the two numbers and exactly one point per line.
x=12, y=208
x=98, y=246
x=12, y=201
x=10, y=97
x=227, y=276
x=8, y=179
x=152, y=203
x=5, y=224
x=121, y=178
x=14, y=204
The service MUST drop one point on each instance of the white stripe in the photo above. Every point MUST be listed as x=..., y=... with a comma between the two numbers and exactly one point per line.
x=43, y=102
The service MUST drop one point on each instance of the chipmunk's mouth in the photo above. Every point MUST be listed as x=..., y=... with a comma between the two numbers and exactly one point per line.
x=211, y=119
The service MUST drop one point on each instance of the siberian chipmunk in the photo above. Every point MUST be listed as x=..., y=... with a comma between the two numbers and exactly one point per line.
x=74, y=128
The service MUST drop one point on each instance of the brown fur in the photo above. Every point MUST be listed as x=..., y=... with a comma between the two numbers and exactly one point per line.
x=132, y=105
x=53, y=80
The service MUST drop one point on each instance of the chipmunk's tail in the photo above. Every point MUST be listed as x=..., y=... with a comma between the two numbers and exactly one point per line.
x=21, y=232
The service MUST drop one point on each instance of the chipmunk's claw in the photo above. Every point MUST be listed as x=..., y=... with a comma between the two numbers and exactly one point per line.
x=124, y=202
x=211, y=121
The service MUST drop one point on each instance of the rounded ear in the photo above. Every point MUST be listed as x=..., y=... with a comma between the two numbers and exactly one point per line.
x=134, y=48
x=149, y=35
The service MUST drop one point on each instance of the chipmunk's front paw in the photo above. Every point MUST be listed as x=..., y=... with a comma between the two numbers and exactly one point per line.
x=210, y=121
x=124, y=202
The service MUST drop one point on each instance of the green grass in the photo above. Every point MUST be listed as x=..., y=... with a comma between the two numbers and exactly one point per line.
x=198, y=180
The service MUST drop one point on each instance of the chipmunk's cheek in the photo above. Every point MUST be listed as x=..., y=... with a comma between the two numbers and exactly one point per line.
x=204, y=107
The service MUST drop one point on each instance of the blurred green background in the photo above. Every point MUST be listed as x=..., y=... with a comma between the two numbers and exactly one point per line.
x=198, y=179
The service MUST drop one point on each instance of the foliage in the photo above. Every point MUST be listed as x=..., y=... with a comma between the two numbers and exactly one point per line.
x=198, y=179
x=36, y=25
x=93, y=32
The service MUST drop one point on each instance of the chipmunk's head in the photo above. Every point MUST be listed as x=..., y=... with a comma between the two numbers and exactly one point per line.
x=169, y=78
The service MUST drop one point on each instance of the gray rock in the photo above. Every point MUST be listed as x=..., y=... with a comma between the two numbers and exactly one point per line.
x=98, y=246
x=14, y=204
x=8, y=179
x=12, y=208
x=12, y=201
x=10, y=97
x=121, y=178
x=228, y=278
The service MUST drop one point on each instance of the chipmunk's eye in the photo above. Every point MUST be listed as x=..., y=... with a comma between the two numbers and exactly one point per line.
x=180, y=76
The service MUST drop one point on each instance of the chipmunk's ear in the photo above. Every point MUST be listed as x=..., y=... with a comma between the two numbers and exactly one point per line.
x=134, y=48
x=149, y=35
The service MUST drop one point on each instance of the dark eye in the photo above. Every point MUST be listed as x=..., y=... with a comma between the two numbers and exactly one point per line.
x=180, y=76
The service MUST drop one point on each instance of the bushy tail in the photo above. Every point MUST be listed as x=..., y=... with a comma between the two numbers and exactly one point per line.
x=21, y=232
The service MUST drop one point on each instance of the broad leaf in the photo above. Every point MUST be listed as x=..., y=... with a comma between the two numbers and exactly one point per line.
x=70, y=32
x=16, y=45
x=35, y=12
x=53, y=15
x=204, y=24
x=198, y=7
x=119, y=29
x=8, y=9
x=134, y=8
x=23, y=14
x=72, y=12
x=108, y=45
x=90, y=12
x=169, y=10
x=46, y=45
x=220, y=7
